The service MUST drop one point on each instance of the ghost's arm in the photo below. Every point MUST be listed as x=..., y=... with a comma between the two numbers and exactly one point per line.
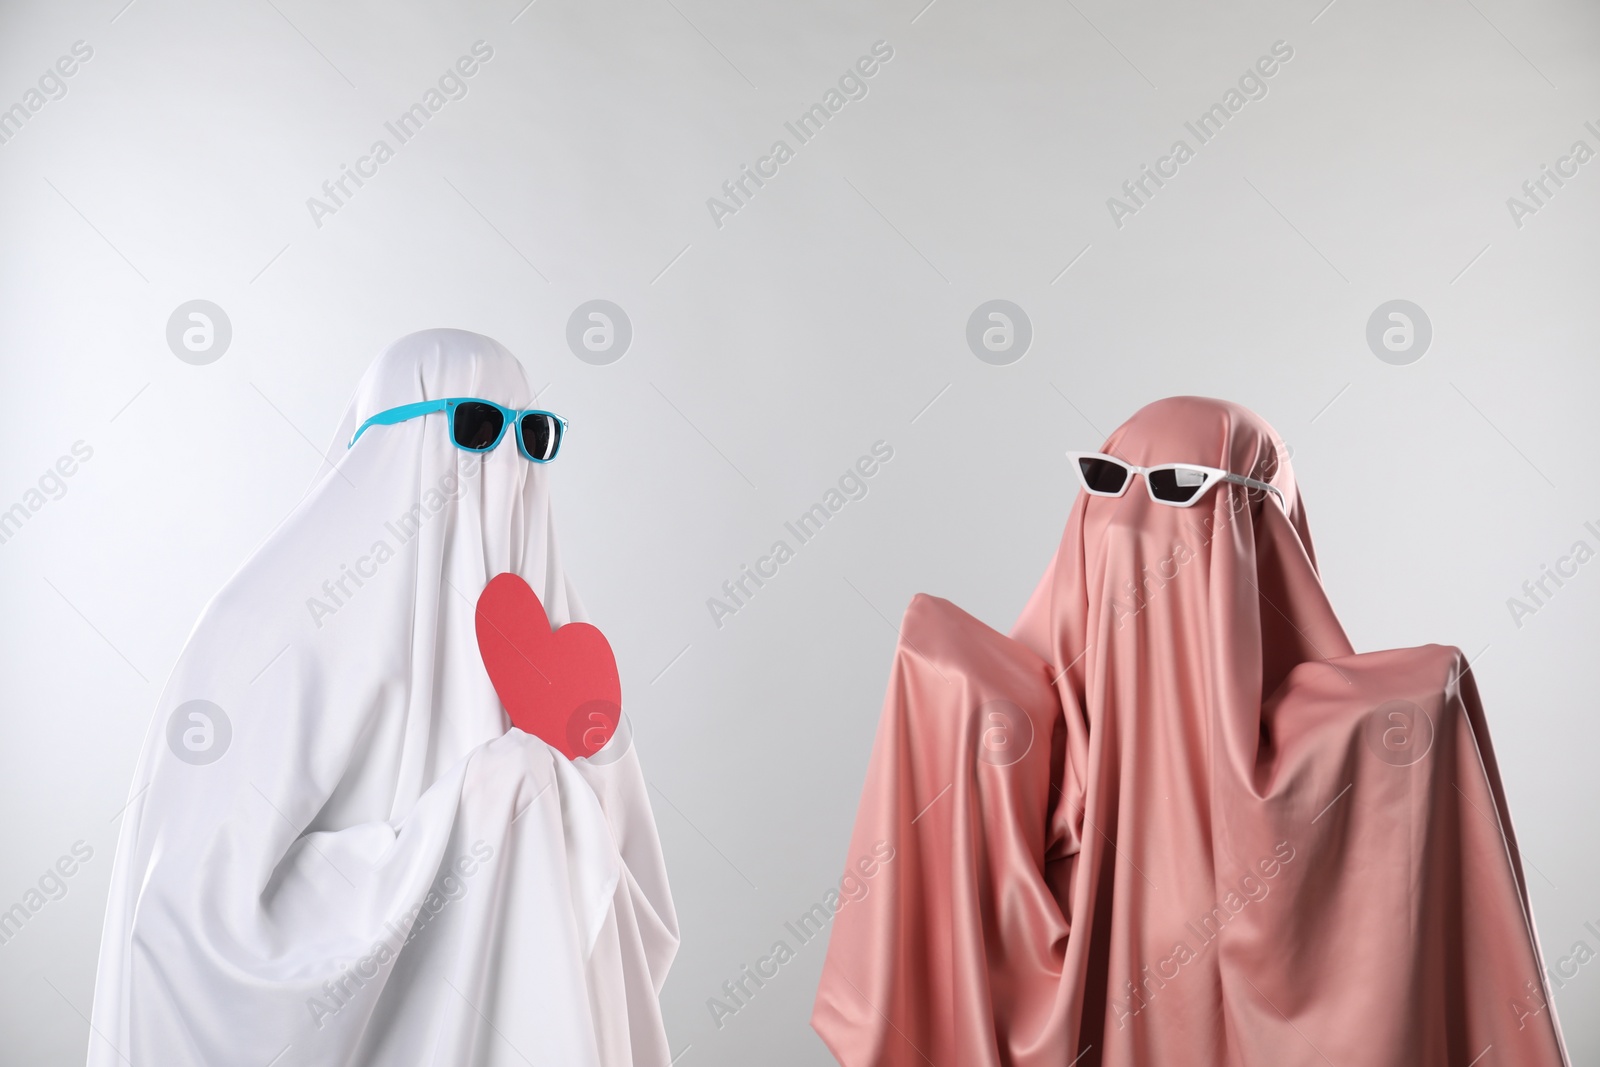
x=947, y=893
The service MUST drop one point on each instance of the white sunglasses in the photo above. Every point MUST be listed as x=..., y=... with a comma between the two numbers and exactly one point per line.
x=1177, y=485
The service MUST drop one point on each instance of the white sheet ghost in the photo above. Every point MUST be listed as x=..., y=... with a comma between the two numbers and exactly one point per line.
x=335, y=851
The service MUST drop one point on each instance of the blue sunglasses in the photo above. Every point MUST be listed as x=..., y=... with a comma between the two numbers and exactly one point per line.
x=478, y=425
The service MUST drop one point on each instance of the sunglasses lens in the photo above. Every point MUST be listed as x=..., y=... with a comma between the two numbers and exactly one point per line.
x=1176, y=485
x=1102, y=475
x=477, y=426
x=541, y=435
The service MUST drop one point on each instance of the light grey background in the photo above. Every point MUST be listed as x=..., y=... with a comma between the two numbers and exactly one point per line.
x=769, y=353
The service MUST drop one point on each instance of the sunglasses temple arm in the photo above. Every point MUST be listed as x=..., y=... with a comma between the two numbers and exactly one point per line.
x=1253, y=483
x=399, y=414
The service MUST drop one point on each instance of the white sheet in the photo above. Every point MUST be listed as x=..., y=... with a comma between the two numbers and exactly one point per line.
x=264, y=905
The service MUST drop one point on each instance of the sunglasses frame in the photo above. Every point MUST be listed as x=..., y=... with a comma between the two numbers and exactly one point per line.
x=509, y=417
x=1213, y=475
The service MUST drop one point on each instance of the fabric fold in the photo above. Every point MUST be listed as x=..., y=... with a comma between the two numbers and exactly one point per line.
x=1258, y=847
x=961, y=938
x=335, y=852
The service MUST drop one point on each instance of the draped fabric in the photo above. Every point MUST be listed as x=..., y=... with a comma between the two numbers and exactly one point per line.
x=335, y=852
x=1174, y=818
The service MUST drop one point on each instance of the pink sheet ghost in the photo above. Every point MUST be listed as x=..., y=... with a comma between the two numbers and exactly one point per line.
x=1175, y=819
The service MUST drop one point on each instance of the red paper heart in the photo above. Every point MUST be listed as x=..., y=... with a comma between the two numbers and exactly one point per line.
x=560, y=686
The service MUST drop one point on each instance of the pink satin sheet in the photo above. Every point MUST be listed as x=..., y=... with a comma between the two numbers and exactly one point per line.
x=1175, y=820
